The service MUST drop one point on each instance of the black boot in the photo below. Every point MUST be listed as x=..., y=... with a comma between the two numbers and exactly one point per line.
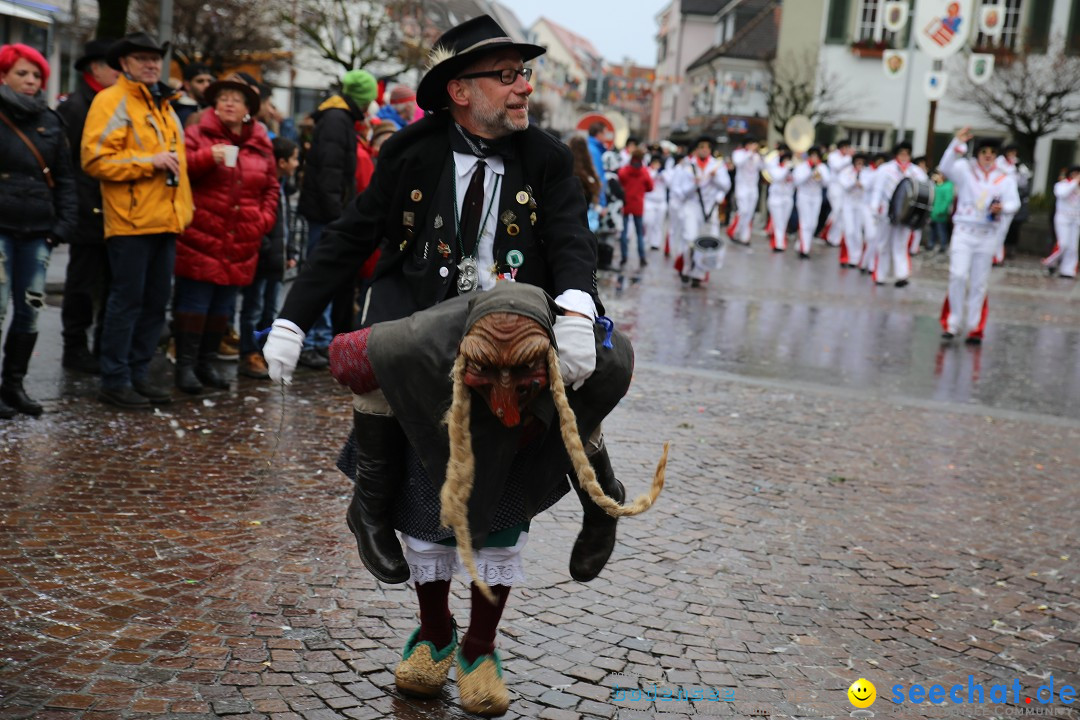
x=205, y=369
x=17, y=351
x=188, y=332
x=597, y=537
x=380, y=455
x=77, y=356
x=6, y=412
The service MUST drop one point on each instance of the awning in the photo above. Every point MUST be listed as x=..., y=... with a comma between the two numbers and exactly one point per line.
x=22, y=12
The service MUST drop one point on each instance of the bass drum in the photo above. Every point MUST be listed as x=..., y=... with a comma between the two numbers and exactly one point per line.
x=911, y=203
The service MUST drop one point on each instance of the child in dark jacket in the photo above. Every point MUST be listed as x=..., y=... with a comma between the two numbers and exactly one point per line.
x=636, y=182
x=278, y=252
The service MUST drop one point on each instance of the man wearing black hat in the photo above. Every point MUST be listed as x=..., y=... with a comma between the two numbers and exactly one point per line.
x=87, y=282
x=133, y=143
x=465, y=197
x=197, y=77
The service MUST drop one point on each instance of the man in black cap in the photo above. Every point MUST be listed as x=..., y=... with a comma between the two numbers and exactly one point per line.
x=197, y=77
x=465, y=197
x=87, y=282
x=133, y=143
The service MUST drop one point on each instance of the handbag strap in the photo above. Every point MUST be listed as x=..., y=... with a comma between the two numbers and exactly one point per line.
x=700, y=199
x=33, y=149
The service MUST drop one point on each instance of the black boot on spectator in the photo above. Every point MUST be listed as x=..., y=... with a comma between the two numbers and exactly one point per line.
x=188, y=333
x=17, y=351
x=205, y=369
x=77, y=356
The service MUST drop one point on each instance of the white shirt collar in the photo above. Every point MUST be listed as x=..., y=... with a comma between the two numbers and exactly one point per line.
x=465, y=162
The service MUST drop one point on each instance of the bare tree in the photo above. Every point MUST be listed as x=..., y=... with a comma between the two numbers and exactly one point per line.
x=801, y=85
x=354, y=34
x=1037, y=94
x=220, y=33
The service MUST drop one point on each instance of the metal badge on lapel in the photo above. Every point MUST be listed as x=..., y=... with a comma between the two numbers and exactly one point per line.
x=532, y=218
x=512, y=229
x=408, y=219
x=532, y=198
x=438, y=222
x=522, y=197
x=515, y=258
x=508, y=217
x=416, y=196
x=444, y=249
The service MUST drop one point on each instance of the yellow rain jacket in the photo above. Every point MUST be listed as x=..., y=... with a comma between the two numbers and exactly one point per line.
x=124, y=129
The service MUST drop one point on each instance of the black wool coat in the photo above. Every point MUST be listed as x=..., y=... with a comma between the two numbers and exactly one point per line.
x=329, y=180
x=91, y=228
x=397, y=213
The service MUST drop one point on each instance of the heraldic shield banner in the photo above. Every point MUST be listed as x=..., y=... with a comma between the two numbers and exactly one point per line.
x=942, y=26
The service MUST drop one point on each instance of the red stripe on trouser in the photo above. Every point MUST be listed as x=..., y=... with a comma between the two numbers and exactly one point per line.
x=731, y=227
x=843, y=251
x=1053, y=255
x=768, y=225
x=978, y=331
x=945, y=315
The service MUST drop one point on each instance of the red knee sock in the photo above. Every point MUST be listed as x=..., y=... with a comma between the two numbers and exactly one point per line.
x=483, y=622
x=436, y=623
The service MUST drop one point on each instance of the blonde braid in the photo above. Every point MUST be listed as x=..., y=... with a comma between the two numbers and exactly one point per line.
x=460, y=473
x=582, y=468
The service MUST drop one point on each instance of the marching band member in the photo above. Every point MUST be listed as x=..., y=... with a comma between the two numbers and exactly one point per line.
x=837, y=160
x=1066, y=225
x=656, y=203
x=781, y=198
x=858, y=221
x=984, y=195
x=700, y=183
x=810, y=180
x=748, y=165
x=892, y=244
x=870, y=240
x=1007, y=162
x=915, y=238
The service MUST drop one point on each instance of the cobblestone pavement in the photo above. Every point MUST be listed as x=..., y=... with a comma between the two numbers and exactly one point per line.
x=816, y=527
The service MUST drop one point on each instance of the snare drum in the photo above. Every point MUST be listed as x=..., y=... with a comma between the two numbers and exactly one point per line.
x=911, y=203
x=708, y=252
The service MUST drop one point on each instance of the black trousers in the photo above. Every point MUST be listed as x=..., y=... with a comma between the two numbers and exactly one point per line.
x=86, y=288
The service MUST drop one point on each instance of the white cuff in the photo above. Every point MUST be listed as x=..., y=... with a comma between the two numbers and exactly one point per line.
x=289, y=325
x=577, y=301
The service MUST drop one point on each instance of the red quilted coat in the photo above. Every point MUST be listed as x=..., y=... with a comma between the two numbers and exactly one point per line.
x=234, y=207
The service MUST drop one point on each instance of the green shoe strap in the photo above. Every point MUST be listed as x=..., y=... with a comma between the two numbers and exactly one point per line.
x=437, y=655
x=466, y=669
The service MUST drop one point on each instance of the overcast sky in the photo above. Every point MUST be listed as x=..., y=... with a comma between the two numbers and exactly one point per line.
x=617, y=30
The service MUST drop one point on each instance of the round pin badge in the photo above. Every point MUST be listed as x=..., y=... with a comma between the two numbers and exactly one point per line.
x=512, y=229
x=416, y=196
x=522, y=197
x=515, y=258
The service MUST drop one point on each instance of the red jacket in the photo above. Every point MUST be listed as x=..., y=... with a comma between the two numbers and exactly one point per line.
x=234, y=207
x=636, y=182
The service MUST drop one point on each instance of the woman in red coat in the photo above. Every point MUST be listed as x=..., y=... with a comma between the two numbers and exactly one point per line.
x=636, y=182
x=235, y=186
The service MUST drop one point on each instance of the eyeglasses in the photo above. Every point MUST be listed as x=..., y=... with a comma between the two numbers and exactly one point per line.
x=508, y=76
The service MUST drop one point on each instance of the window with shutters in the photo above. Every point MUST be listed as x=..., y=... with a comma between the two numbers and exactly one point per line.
x=836, y=29
x=1010, y=30
x=869, y=26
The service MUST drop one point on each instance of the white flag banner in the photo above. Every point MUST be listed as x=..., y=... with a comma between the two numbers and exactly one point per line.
x=942, y=26
x=895, y=16
x=894, y=62
x=935, y=85
x=980, y=67
x=991, y=20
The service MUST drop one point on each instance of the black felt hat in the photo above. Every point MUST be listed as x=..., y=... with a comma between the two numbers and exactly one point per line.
x=134, y=43
x=251, y=96
x=457, y=48
x=95, y=49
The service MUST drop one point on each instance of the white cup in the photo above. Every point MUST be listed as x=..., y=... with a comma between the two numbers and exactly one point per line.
x=232, y=152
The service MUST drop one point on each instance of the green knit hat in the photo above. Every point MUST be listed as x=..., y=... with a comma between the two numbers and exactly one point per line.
x=359, y=86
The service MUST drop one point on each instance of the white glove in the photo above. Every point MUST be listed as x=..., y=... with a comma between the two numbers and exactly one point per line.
x=577, y=349
x=282, y=350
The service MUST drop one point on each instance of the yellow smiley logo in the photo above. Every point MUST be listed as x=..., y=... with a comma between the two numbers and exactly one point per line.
x=862, y=693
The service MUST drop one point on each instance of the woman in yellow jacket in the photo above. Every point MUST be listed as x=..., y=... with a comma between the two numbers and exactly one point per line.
x=134, y=145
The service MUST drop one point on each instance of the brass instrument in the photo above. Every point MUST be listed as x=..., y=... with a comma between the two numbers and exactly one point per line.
x=799, y=135
x=770, y=158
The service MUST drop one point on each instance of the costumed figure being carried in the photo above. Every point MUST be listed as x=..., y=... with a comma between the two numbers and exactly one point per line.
x=463, y=199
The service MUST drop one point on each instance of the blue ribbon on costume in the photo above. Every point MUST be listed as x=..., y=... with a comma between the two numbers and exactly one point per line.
x=260, y=335
x=609, y=327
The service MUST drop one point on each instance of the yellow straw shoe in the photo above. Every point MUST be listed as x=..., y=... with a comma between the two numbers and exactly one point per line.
x=481, y=685
x=423, y=668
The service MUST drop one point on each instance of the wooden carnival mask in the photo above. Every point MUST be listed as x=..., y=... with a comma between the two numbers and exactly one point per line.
x=506, y=363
